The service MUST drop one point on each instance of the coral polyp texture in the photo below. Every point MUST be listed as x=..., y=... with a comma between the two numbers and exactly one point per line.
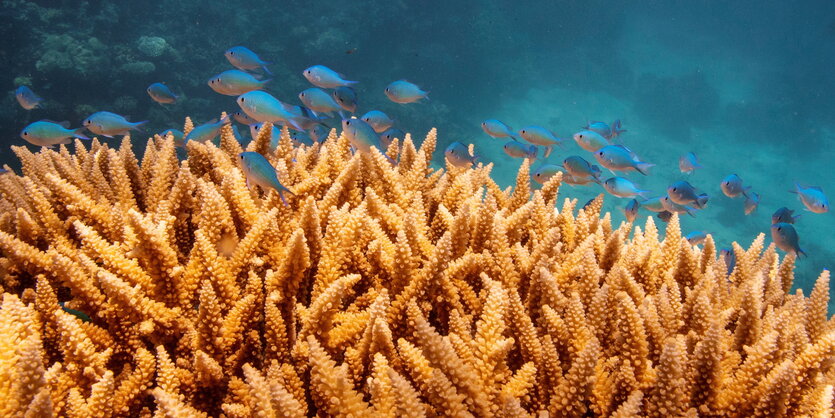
x=168, y=287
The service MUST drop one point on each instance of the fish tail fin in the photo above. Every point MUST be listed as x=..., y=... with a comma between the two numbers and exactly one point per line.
x=702, y=200
x=350, y=83
x=644, y=193
x=264, y=82
x=643, y=168
x=616, y=128
x=296, y=125
x=78, y=134
x=548, y=150
x=266, y=70
x=532, y=151
x=796, y=189
x=745, y=191
x=794, y=218
x=138, y=125
x=800, y=252
x=426, y=95
x=476, y=159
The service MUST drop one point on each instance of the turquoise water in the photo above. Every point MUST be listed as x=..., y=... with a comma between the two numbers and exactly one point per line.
x=748, y=86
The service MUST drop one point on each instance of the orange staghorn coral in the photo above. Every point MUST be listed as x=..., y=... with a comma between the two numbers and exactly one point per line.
x=381, y=290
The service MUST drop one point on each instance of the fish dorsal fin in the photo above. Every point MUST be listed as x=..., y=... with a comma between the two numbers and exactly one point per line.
x=64, y=123
x=815, y=188
x=212, y=121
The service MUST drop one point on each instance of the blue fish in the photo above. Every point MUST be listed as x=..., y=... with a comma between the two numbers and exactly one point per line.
x=402, y=91
x=459, y=155
x=324, y=77
x=235, y=83
x=732, y=186
x=664, y=215
x=621, y=187
x=389, y=135
x=729, y=257
x=497, y=129
x=378, y=120
x=46, y=133
x=108, y=124
x=243, y=58
x=785, y=215
x=567, y=178
x=620, y=158
x=318, y=100
x=606, y=131
x=318, y=133
x=687, y=163
x=177, y=134
x=260, y=172
x=263, y=107
x=653, y=204
x=520, y=150
x=207, y=131
x=360, y=134
x=683, y=193
x=544, y=173
x=243, y=118
x=255, y=130
x=631, y=210
x=161, y=93
x=27, y=98
x=674, y=207
x=696, y=237
x=812, y=197
x=538, y=135
x=752, y=200
x=785, y=238
x=346, y=97
x=579, y=168
x=590, y=141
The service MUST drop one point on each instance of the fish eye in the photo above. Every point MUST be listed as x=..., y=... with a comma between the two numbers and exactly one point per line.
x=233, y=53
x=581, y=135
x=25, y=133
x=523, y=131
x=348, y=122
x=302, y=94
x=600, y=153
x=675, y=189
x=242, y=99
x=779, y=228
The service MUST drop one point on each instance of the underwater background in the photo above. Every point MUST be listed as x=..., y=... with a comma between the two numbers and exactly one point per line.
x=749, y=86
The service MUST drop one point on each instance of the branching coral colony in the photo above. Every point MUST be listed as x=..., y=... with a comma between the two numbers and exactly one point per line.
x=381, y=290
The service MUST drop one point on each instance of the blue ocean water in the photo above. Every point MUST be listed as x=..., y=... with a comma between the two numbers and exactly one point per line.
x=746, y=85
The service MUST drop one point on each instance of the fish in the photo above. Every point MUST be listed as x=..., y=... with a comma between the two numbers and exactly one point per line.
x=579, y=168
x=606, y=131
x=683, y=193
x=263, y=107
x=324, y=77
x=207, y=131
x=696, y=237
x=784, y=214
x=261, y=173
x=300, y=138
x=236, y=83
x=346, y=97
x=243, y=118
x=732, y=186
x=497, y=129
x=621, y=187
x=255, y=130
x=729, y=257
x=520, y=150
x=812, y=197
x=360, y=134
x=378, y=120
x=575, y=181
x=161, y=93
x=243, y=58
x=590, y=141
x=785, y=238
x=318, y=133
x=108, y=124
x=46, y=133
x=653, y=204
x=318, y=100
x=177, y=134
x=27, y=98
x=306, y=118
x=402, y=91
x=538, y=135
x=674, y=207
x=664, y=215
x=620, y=158
x=389, y=135
x=752, y=200
x=688, y=163
x=631, y=210
x=459, y=155
x=544, y=173
x=78, y=314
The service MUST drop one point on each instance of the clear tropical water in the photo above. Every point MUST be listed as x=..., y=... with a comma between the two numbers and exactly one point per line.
x=746, y=85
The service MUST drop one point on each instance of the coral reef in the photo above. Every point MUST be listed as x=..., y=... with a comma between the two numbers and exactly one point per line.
x=381, y=290
x=152, y=46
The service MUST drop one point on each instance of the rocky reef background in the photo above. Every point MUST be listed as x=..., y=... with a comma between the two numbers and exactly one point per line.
x=747, y=86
